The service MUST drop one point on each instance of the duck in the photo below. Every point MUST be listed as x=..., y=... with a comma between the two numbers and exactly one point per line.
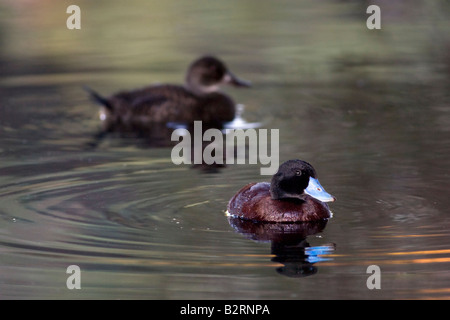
x=293, y=195
x=200, y=98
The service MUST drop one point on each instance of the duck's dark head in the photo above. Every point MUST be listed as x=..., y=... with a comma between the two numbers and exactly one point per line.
x=294, y=179
x=206, y=74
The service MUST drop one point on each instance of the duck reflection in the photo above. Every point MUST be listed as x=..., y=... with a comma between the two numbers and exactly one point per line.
x=288, y=244
x=188, y=141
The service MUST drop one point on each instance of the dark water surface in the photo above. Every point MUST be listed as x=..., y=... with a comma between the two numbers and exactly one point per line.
x=370, y=109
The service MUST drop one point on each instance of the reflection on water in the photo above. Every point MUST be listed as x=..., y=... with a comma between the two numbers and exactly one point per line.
x=370, y=110
x=288, y=244
x=207, y=146
x=239, y=122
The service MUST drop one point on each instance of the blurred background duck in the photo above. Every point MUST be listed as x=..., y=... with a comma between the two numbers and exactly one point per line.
x=199, y=99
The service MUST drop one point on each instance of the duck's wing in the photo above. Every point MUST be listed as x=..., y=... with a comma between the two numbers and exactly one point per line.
x=165, y=103
x=160, y=103
x=145, y=104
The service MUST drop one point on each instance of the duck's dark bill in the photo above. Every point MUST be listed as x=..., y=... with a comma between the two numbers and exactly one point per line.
x=232, y=79
x=315, y=190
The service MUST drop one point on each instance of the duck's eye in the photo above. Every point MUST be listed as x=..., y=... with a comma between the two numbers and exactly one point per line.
x=298, y=173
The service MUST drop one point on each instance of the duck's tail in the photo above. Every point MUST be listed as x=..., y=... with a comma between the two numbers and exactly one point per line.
x=98, y=98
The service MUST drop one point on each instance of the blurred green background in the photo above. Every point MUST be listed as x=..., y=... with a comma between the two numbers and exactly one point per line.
x=368, y=108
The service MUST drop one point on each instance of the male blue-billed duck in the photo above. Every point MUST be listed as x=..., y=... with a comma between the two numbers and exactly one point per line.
x=293, y=195
x=199, y=99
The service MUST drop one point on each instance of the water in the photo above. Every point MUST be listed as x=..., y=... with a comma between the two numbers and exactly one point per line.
x=369, y=109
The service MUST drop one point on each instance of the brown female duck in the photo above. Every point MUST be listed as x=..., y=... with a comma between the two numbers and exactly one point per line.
x=199, y=99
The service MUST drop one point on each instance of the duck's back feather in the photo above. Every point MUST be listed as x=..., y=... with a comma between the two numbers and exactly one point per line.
x=170, y=103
